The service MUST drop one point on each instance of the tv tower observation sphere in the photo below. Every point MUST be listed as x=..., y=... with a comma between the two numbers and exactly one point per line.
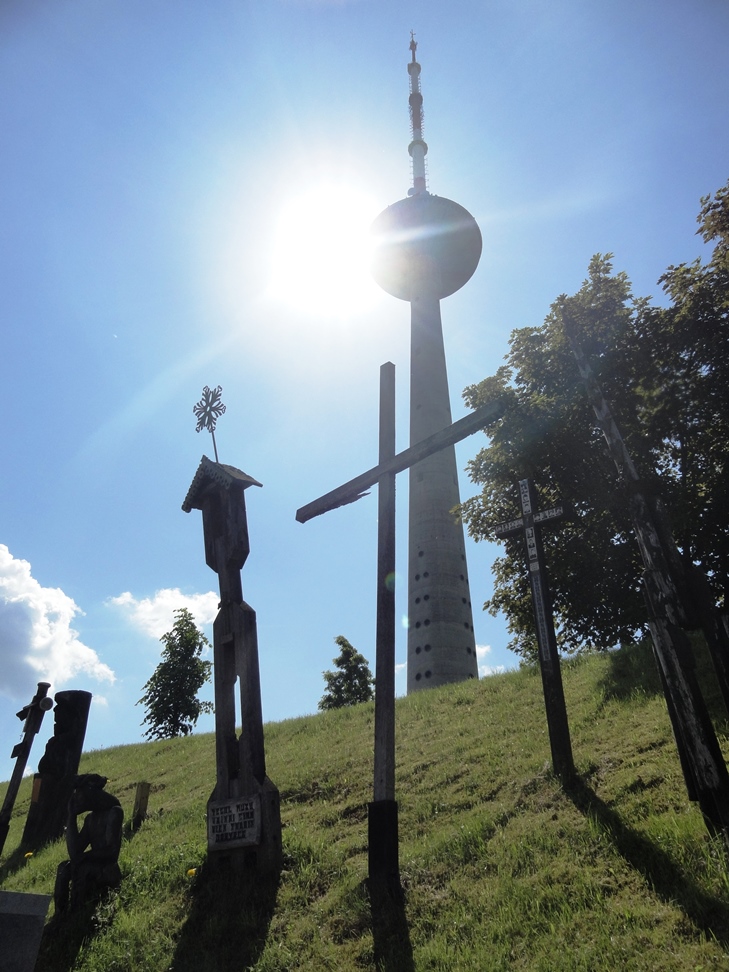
x=424, y=244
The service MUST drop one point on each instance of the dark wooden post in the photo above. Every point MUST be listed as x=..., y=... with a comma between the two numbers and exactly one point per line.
x=382, y=815
x=57, y=768
x=530, y=525
x=244, y=815
x=705, y=771
x=33, y=715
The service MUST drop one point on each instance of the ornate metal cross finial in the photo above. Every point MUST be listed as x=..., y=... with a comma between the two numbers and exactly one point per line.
x=208, y=410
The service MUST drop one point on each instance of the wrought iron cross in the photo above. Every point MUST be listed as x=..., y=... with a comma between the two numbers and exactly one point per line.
x=207, y=411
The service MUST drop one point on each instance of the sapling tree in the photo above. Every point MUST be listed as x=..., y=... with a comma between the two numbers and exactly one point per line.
x=170, y=695
x=351, y=683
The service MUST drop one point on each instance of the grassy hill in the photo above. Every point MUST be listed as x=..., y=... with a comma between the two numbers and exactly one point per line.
x=501, y=868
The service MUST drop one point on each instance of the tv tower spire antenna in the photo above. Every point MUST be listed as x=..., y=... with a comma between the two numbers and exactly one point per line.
x=418, y=149
x=426, y=248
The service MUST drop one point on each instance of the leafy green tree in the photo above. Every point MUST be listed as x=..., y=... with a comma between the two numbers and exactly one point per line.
x=170, y=695
x=665, y=372
x=688, y=412
x=351, y=683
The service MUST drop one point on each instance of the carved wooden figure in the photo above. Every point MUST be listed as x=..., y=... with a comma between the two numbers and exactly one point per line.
x=93, y=849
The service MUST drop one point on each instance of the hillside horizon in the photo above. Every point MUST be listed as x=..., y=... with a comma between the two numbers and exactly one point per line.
x=501, y=867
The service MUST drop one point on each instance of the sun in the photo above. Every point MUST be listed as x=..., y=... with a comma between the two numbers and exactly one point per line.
x=320, y=253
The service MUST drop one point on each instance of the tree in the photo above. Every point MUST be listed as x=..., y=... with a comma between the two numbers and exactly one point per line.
x=353, y=681
x=665, y=372
x=170, y=694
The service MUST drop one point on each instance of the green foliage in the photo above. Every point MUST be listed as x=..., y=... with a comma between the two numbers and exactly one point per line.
x=351, y=683
x=170, y=695
x=665, y=373
x=502, y=868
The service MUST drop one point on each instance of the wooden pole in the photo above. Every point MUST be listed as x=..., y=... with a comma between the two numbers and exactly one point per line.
x=382, y=812
x=384, y=784
x=141, y=800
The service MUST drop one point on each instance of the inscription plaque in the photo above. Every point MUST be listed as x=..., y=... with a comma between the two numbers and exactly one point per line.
x=234, y=823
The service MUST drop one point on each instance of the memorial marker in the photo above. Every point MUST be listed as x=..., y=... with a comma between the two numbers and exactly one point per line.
x=33, y=715
x=530, y=525
x=244, y=813
x=382, y=812
x=54, y=782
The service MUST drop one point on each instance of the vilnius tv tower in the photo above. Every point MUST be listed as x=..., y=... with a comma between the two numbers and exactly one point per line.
x=426, y=248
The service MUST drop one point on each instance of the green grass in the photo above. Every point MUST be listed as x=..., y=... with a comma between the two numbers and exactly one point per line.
x=501, y=868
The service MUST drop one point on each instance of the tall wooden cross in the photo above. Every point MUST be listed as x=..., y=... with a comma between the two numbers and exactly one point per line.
x=530, y=525
x=32, y=714
x=382, y=815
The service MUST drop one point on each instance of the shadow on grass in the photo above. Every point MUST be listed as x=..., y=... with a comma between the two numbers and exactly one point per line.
x=393, y=951
x=633, y=670
x=670, y=882
x=227, y=926
x=64, y=936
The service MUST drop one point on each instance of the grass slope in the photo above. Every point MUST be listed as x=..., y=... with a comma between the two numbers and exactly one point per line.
x=501, y=868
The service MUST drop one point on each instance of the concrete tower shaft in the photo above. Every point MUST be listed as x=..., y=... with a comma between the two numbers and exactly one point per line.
x=426, y=248
x=441, y=643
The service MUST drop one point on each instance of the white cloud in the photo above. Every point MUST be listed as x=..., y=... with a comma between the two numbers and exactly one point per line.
x=154, y=615
x=37, y=642
x=483, y=669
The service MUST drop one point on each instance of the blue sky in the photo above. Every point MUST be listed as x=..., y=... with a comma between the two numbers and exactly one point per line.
x=150, y=154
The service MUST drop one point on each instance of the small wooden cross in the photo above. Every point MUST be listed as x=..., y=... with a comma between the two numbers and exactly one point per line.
x=530, y=524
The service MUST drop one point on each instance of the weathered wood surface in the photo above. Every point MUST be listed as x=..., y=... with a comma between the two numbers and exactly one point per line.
x=218, y=491
x=384, y=781
x=33, y=715
x=141, y=802
x=530, y=524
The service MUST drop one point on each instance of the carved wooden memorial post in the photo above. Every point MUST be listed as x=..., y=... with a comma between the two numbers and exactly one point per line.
x=244, y=815
x=54, y=782
x=530, y=524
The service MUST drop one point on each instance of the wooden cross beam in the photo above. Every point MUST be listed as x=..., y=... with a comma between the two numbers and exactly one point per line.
x=530, y=524
x=357, y=488
x=382, y=812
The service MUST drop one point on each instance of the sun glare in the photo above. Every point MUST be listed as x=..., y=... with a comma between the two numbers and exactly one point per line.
x=321, y=252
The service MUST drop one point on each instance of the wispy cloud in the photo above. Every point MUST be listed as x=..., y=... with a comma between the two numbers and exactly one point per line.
x=154, y=615
x=37, y=642
x=482, y=652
